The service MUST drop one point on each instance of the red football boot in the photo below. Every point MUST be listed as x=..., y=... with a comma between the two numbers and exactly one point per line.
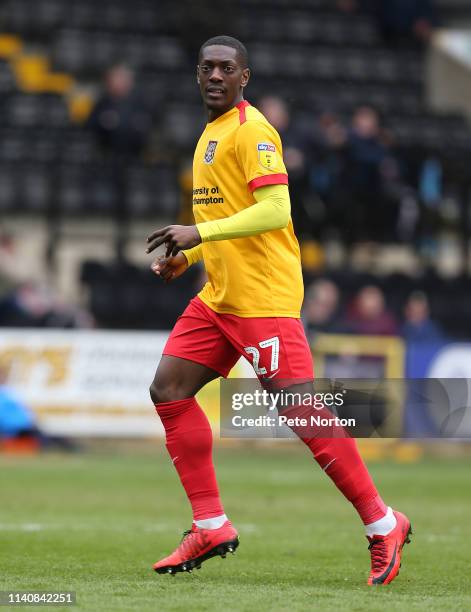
x=198, y=545
x=386, y=551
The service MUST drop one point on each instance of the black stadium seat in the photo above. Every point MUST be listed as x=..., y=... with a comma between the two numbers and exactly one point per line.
x=91, y=52
x=8, y=189
x=152, y=191
x=183, y=125
x=7, y=80
x=36, y=111
x=35, y=189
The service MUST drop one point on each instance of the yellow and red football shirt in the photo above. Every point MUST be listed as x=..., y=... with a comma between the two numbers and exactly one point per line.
x=257, y=276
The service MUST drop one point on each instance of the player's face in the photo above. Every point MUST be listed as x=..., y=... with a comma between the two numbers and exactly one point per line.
x=221, y=78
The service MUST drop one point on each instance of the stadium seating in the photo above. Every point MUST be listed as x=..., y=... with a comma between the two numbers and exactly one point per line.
x=339, y=59
x=7, y=80
x=147, y=305
x=144, y=304
x=312, y=55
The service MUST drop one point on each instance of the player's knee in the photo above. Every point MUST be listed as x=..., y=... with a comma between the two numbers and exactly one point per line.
x=153, y=393
x=159, y=393
x=162, y=391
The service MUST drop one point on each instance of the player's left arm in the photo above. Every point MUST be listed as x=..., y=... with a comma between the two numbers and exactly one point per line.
x=271, y=211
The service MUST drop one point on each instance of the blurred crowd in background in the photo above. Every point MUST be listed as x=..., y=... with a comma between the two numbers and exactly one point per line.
x=356, y=174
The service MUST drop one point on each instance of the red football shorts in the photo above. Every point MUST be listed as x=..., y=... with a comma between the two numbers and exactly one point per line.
x=275, y=346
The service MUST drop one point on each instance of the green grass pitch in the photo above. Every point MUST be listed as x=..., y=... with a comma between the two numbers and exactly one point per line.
x=94, y=524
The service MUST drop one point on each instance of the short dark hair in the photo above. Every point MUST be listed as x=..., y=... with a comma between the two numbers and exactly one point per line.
x=228, y=41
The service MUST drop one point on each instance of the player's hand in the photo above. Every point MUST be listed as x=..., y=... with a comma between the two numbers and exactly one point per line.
x=176, y=238
x=169, y=268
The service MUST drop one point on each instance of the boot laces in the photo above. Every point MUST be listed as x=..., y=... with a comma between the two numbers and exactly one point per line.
x=379, y=555
x=192, y=542
x=185, y=533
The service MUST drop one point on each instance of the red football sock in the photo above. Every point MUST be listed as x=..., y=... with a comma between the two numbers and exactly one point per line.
x=189, y=441
x=338, y=456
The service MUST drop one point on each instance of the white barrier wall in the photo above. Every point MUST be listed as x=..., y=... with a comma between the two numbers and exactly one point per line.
x=85, y=382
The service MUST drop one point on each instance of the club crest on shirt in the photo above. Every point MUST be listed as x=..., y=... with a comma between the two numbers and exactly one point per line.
x=210, y=151
x=266, y=155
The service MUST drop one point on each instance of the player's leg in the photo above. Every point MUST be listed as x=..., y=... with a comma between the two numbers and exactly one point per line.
x=282, y=359
x=195, y=354
x=187, y=430
x=337, y=454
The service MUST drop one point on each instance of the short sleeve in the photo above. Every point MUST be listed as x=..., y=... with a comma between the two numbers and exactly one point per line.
x=258, y=149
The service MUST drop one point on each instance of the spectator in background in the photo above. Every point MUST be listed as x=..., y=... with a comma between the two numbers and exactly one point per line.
x=15, y=417
x=294, y=155
x=13, y=268
x=367, y=150
x=368, y=314
x=403, y=21
x=328, y=143
x=120, y=119
x=33, y=304
x=321, y=310
x=121, y=123
x=18, y=424
x=418, y=326
x=369, y=171
x=326, y=153
x=27, y=305
x=277, y=113
x=347, y=6
x=400, y=21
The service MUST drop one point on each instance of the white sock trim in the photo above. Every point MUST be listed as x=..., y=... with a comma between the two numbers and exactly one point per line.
x=211, y=523
x=382, y=527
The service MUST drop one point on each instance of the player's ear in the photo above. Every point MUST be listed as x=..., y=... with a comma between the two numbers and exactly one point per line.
x=198, y=74
x=245, y=77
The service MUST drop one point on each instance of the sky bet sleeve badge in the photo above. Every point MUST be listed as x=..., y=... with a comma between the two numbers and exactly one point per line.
x=266, y=155
x=210, y=151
